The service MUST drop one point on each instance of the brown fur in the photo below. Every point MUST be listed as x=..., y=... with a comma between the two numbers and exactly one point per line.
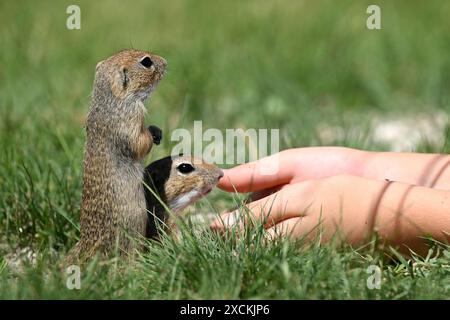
x=113, y=204
x=175, y=189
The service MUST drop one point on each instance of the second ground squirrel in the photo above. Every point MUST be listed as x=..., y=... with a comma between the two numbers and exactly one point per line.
x=177, y=181
x=113, y=208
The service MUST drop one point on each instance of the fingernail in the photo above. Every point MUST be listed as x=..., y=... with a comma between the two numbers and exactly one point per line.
x=230, y=220
x=226, y=220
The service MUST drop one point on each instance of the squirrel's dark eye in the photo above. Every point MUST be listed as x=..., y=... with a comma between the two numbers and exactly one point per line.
x=147, y=62
x=185, y=168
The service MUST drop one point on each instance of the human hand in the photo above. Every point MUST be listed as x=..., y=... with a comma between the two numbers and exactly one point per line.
x=307, y=207
x=289, y=199
x=321, y=186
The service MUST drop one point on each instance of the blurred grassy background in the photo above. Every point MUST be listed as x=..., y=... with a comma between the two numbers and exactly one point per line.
x=294, y=65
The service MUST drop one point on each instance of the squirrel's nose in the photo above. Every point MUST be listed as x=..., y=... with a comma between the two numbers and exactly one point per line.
x=162, y=63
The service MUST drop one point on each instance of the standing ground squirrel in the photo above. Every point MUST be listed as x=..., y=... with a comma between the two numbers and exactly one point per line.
x=178, y=181
x=113, y=205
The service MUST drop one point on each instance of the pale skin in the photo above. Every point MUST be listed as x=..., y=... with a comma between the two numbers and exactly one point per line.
x=400, y=197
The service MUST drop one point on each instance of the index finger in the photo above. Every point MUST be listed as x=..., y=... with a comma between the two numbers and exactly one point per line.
x=268, y=172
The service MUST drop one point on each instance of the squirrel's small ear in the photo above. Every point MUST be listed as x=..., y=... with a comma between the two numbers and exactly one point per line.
x=124, y=77
x=120, y=82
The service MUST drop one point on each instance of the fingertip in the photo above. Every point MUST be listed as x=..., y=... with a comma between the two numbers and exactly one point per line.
x=225, y=220
x=217, y=223
x=225, y=182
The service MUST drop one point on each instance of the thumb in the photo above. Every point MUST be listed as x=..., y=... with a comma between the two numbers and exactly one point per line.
x=269, y=210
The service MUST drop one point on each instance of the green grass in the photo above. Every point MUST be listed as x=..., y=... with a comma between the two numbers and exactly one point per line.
x=293, y=65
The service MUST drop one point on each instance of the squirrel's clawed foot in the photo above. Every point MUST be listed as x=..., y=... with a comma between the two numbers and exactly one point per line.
x=156, y=134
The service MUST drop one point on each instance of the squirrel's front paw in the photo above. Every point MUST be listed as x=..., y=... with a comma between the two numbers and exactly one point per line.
x=156, y=134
